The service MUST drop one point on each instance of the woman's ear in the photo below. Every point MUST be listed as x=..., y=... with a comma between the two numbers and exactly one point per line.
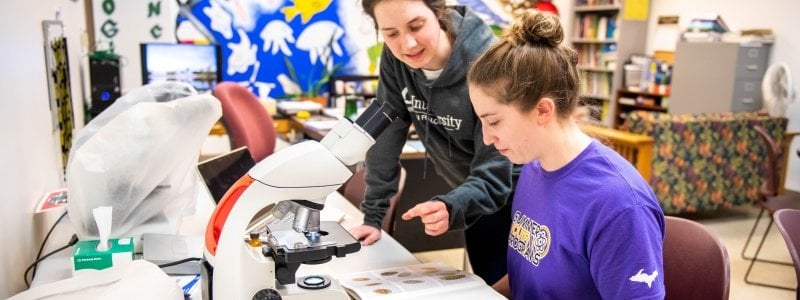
x=545, y=110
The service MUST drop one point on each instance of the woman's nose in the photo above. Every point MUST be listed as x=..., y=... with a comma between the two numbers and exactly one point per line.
x=488, y=139
x=409, y=41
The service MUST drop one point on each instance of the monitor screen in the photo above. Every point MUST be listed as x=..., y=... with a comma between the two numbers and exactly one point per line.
x=221, y=172
x=199, y=65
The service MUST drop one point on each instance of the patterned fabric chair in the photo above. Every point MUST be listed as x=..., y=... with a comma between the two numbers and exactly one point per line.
x=705, y=161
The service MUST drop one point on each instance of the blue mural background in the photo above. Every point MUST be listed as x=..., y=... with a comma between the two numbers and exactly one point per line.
x=257, y=36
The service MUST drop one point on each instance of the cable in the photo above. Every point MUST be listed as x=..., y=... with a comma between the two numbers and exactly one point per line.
x=178, y=262
x=44, y=242
x=72, y=241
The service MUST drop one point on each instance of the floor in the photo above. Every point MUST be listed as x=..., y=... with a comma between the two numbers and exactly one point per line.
x=733, y=226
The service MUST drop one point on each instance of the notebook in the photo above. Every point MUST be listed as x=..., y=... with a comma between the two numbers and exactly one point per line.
x=221, y=172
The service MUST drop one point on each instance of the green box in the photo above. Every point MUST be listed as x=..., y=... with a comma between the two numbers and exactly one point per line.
x=86, y=256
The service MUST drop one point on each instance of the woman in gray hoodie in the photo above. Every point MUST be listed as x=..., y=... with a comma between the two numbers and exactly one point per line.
x=428, y=48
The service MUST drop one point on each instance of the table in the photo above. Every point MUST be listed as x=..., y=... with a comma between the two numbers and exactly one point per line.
x=385, y=253
x=413, y=150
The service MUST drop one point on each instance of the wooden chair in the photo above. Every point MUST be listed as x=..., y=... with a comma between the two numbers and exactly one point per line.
x=696, y=264
x=788, y=222
x=636, y=148
x=353, y=190
x=771, y=200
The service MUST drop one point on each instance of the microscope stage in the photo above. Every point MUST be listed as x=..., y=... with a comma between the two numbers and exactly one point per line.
x=333, y=240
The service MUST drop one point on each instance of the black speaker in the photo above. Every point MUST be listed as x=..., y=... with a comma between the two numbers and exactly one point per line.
x=104, y=82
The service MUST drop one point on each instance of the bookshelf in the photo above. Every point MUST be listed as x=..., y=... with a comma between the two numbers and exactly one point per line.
x=603, y=37
x=628, y=101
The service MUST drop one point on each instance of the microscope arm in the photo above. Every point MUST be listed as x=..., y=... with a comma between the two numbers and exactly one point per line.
x=307, y=171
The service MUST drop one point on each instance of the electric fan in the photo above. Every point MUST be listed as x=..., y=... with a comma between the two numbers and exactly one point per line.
x=777, y=89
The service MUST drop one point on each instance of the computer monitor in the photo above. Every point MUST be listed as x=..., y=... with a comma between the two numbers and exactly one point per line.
x=199, y=65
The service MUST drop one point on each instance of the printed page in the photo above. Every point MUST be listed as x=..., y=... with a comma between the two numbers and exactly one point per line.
x=409, y=282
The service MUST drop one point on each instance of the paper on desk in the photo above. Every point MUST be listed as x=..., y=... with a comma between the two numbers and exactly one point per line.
x=411, y=282
x=330, y=213
x=291, y=107
x=321, y=124
x=416, y=145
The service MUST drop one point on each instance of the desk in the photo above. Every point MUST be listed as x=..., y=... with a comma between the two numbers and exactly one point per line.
x=386, y=253
x=306, y=126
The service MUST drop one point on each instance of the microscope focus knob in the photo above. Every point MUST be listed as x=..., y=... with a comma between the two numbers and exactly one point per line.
x=267, y=294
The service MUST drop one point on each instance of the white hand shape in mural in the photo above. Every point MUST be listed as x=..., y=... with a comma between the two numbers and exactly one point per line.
x=263, y=89
x=276, y=35
x=243, y=54
x=289, y=87
x=316, y=38
x=220, y=19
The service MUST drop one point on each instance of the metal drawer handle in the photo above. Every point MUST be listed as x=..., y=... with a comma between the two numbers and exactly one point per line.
x=747, y=100
x=752, y=67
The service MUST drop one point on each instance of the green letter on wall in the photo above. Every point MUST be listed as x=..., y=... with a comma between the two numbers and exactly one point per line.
x=154, y=9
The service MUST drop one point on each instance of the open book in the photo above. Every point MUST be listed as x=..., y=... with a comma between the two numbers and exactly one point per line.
x=412, y=282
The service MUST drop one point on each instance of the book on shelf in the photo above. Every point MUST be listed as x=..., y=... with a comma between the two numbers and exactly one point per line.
x=708, y=22
x=627, y=101
x=594, y=26
x=412, y=282
x=701, y=36
x=596, y=2
x=597, y=85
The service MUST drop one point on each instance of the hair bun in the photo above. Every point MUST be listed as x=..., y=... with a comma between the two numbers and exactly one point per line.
x=536, y=28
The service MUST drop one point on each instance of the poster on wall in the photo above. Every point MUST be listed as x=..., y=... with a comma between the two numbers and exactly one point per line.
x=58, y=82
x=285, y=47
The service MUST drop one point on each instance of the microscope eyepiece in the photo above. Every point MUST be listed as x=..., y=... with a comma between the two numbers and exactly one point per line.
x=376, y=118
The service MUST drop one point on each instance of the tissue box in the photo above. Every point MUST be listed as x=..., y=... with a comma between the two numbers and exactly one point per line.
x=85, y=254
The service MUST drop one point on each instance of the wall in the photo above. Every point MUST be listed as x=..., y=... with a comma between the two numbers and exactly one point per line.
x=125, y=24
x=779, y=15
x=28, y=157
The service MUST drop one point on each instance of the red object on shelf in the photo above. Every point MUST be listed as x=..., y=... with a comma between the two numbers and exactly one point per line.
x=546, y=6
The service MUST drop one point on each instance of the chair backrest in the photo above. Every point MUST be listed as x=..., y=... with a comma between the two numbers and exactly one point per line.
x=246, y=120
x=788, y=221
x=696, y=264
x=770, y=187
x=355, y=188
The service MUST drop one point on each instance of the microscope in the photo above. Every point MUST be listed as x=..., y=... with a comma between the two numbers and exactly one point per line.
x=295, y=182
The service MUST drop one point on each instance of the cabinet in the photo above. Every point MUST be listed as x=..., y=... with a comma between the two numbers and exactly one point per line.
x=717, y=77
x=603, y=37
x=628, y=101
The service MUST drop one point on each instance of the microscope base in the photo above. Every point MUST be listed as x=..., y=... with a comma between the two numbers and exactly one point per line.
x=294, y=292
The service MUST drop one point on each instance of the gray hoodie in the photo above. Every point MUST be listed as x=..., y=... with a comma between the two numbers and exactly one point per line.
x=442, y=114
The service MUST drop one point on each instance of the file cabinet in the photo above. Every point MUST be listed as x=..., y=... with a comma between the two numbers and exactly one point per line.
x=718, y=77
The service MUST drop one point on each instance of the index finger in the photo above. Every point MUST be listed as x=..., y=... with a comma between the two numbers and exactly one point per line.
x=419, y=210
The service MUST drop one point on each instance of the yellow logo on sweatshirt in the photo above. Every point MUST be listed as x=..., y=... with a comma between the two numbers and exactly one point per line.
x=529, y=238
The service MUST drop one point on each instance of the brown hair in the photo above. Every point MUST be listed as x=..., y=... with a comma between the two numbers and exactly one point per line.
x=529, y=63
x=438, y=7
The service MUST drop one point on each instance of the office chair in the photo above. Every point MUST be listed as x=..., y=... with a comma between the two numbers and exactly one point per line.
x=788, y=222
x=353, y=190
x=769, y=201
x=246, y=120
x=696, y=264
